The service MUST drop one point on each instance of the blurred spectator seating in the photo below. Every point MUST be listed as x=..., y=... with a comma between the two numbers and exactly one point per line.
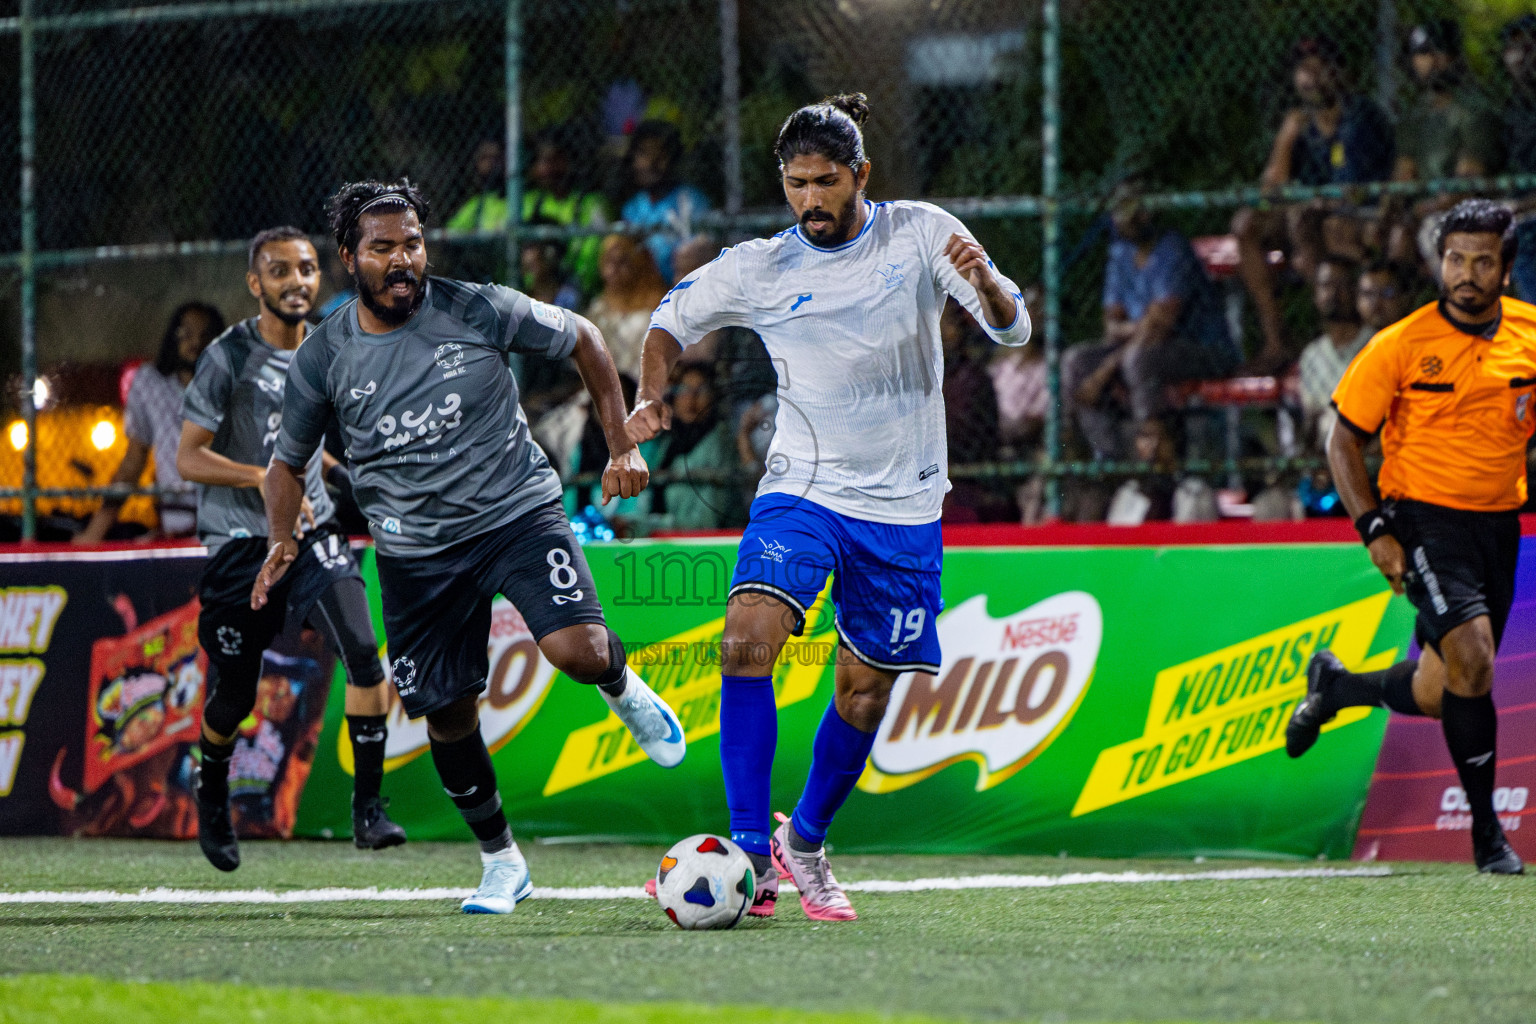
x=658, y=203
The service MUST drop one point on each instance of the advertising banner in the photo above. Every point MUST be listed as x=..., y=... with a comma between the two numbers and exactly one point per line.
x=1098, y=701
x=101, y=697
x=1417, y=809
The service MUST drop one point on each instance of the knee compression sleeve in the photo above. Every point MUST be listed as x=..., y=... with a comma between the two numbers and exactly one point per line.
x=343, y=612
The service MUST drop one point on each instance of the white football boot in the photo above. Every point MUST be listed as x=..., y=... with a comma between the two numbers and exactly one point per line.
x=503, y=885
x=650, y=721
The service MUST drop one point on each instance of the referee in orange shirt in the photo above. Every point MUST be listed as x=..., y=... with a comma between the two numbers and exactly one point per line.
x=1449, y=387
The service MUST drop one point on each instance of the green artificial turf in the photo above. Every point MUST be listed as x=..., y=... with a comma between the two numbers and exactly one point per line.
x=1430, y=943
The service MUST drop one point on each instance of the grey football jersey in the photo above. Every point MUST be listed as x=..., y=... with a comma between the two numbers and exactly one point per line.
x=237, y=392
x=438, y=445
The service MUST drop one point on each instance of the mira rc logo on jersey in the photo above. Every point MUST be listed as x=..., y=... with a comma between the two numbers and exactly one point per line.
x=1006, y=689
x=450, y=356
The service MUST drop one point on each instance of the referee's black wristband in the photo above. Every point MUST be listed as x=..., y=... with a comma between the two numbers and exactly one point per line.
x=1372, y=525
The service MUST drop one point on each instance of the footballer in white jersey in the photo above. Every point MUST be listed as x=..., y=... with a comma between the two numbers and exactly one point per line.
x=847, y=303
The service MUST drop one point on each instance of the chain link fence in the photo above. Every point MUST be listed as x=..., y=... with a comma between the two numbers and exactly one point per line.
x=166, y=133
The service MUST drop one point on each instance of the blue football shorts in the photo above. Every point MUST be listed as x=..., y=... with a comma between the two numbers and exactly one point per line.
x=885, y=577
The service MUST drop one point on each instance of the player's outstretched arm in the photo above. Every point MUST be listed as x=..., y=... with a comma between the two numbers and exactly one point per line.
x=626, y=474
x=657, y=358
x=283, y=490
x=1346, y=460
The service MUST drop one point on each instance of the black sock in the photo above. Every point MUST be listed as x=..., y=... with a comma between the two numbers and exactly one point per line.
x=1390, y=687
x=214, y=771
x=615, y=679
x=1471, y=728
x=368, y=734
x=761, y=862
x=800, y=844
x=468, y=778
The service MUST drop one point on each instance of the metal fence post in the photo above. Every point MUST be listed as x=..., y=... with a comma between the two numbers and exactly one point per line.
x=730, y=103
x=514, y=138
x=1050, y=234
x=1387, y=49
x=28, y=84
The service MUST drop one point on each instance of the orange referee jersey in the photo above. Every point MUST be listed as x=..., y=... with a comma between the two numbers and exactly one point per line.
x=1454, y=408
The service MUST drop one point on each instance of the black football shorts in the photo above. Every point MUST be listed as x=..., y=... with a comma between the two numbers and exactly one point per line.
x=229, y=628
x=1461, y=564
x=437, y=608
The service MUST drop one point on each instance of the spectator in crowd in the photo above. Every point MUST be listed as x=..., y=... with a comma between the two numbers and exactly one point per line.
x=1335, y=136
x=1384, y=295
x=1023, y=392
x=1163, y=323
x=1451, y=131
x=700, y=444
x=486, y=209
x=553, y=198
x=1160, y=494
x=545, y=383
x=632, y=289
x=659, y=203
x=152, y=423
x=1324, y=361
x=1517, y=42
x=544, y=276
x=970, y=404
x=484, y=212
x=970, y=411
x=575, y=443
x=1022, y=386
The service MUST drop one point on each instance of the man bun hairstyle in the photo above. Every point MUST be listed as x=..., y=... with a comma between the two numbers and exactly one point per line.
x=1480, y=217
x=285, y=233
x=352, y=200
x=831, y=128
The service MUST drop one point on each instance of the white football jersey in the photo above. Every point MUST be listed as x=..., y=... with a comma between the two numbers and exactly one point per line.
x=854, y=335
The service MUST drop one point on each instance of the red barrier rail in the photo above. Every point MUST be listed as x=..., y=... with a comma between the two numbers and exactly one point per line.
x=985, y=535
x=1158, y=535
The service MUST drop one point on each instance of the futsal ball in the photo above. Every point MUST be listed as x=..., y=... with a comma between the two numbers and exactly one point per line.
x=705, y=882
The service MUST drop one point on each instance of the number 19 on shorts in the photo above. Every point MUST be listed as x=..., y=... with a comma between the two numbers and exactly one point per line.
x=912, y=621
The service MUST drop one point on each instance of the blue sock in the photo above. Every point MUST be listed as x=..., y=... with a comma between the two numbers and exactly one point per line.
x=749, y=731
x=837, y=761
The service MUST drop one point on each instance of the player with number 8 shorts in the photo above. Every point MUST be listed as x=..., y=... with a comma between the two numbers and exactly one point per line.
x=461, y=502
x=847, y=303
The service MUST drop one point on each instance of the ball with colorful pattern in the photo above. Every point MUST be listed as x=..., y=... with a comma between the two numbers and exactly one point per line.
x=705, y=882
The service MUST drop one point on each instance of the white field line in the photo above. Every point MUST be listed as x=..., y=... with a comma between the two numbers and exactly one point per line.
x=372, y=895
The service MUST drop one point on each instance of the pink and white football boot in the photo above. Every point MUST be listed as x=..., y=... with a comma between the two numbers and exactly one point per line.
x=821, y=897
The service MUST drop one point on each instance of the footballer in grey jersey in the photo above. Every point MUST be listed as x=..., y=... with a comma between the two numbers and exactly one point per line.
x=461, y=502
x=437, y=443
x=237, y=393
x=231, y=414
